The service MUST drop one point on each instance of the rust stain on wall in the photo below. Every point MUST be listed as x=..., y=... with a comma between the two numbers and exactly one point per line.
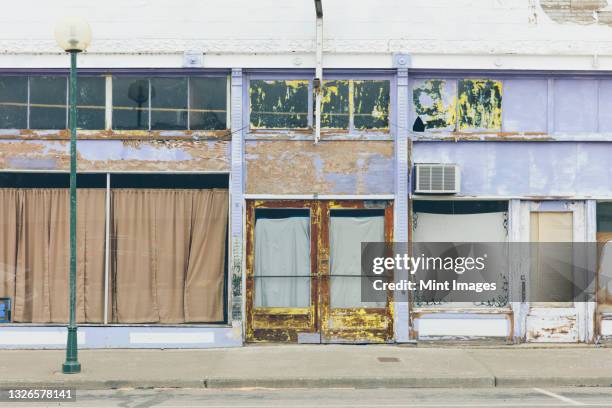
x=329, y=167
x=116, y=155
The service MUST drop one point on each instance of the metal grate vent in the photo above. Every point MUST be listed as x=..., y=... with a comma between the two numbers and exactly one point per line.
x=437, y=178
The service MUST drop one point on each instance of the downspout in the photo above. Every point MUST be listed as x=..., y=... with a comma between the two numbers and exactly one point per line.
x=318, y=80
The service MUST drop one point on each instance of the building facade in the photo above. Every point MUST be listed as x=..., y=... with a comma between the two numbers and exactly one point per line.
x=214, y=212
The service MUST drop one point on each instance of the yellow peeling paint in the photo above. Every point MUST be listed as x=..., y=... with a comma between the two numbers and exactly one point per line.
x=479, y=104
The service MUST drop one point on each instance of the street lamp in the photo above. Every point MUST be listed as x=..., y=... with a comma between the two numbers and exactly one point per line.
x=73, y=35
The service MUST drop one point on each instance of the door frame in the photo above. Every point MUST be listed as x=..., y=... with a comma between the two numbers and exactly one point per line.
x=574, y=324
x=280, y=324
x=352, y=325
x=288, y=324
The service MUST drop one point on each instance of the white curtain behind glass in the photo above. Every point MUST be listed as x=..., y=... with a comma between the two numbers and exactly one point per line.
x=481, y=227
x=282, y=249
x=484, y=227
x=345, y=237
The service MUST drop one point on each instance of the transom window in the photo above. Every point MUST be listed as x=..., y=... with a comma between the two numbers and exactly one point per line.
x=41, y=102
x=136, y=103
x=347, y=104
x=181, y=103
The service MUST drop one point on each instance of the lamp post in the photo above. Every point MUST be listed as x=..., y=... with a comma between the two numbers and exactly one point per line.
x=73, y=35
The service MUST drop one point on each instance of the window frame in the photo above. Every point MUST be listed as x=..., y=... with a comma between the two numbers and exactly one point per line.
x=549, y=131
x=221, y=177
x=108, y=75
x=455, y=78
x=446, y=307
x=148, y=77
x=28, y=77
x=326, y=133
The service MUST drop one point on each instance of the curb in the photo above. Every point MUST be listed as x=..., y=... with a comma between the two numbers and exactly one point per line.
x=330, y=382
x=353, y=382
x=525, y=381
x=102, y=384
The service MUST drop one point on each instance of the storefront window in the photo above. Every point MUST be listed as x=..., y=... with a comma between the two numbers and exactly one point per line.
x=604, y=267
x=169, y=103
x=465, y=222
x=40, y=102
x=167, y=246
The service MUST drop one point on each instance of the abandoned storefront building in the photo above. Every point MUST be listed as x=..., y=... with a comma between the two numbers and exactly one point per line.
x=208, y=216
x=213, y=212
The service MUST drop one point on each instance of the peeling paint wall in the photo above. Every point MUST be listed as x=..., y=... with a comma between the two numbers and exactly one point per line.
x=329, y=167
x=464, y=104
x=525, y=169
x=551, y=327
x=521, y=26
x=578, y=11
x=116, y=155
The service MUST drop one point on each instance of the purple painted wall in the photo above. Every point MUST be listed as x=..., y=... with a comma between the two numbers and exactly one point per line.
x=576, y=105
x=525, y=169
x=524, y=105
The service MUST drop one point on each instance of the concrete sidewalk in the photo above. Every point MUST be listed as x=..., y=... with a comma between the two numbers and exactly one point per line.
x=305, y=366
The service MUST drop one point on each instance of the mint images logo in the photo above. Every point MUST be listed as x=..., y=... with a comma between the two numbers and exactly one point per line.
x=481, y=273
x=459, y=265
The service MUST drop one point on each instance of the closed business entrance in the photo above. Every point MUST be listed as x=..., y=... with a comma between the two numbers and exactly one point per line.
x=303, y=271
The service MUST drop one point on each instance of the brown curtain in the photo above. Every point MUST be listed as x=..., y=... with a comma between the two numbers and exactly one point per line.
x=35, y=254
x=9, y=236
x=168, y=255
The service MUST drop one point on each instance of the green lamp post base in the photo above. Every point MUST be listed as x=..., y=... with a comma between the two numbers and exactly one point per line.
x=71, y=367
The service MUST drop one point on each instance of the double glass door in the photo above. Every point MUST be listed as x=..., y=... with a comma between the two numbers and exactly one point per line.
x=304, y=271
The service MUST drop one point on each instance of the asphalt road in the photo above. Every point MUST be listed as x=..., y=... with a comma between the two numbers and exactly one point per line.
x=338, y=398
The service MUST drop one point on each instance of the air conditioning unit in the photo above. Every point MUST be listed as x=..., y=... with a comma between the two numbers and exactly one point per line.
x=437, y=178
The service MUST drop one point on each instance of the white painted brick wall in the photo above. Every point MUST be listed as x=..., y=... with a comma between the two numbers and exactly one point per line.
x=439, y=33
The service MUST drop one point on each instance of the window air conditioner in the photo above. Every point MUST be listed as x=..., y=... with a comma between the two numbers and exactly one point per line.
x=437, y=178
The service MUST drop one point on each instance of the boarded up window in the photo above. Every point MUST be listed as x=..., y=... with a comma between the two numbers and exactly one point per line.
x=371, y=101
x=479, y=104
x=551, y=272
x=525, y=105
x=13, y=102
x=279, y=104
x=335, y=105
x=435, y=104
x=576, y=105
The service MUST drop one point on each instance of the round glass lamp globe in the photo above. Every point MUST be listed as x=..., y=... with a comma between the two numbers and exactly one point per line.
x=73, y=34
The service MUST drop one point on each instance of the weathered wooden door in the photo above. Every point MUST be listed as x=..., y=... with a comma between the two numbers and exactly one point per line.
x=282, y=278
x=563, y=321
x=345, y=316
x=303, y=271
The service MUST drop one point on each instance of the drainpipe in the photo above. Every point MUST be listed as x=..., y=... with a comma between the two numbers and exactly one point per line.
x=318, y=81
